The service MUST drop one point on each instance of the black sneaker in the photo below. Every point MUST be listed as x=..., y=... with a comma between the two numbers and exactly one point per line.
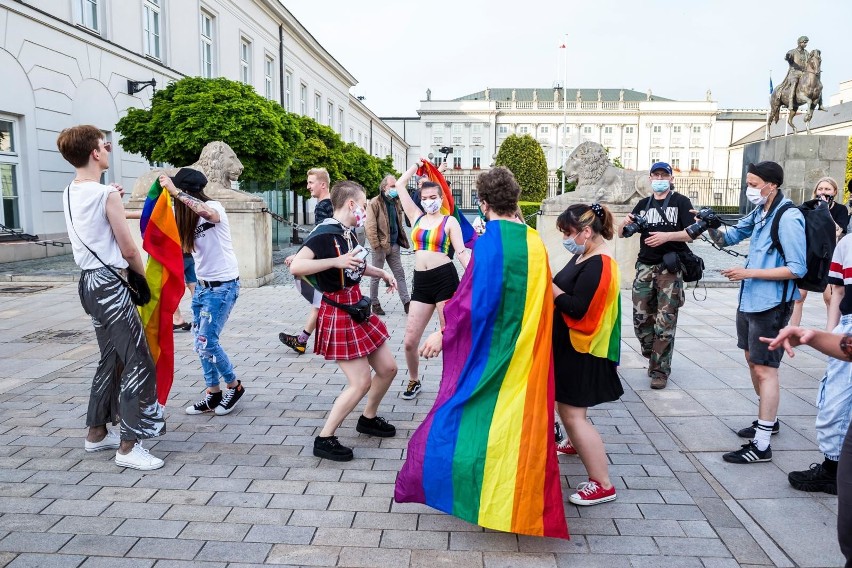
x=412, y=390
x=749, y=431
x=377, y=426
x=210, y=402
x=557, y=430
x=749, y=453
x=330, y=449
x=817, y=478
x=292, y=341
x=230, y=399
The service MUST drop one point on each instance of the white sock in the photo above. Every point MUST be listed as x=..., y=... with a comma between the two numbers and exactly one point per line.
x=762, y=433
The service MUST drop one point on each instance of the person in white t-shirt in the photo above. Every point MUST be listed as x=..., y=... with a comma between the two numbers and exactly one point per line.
x=125, y=382
x=205, y=232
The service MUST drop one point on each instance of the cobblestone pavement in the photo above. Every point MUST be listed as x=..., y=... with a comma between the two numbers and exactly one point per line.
x=245, y=490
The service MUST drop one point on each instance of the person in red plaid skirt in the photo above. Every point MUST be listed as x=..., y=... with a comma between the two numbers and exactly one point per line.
x=334, y=263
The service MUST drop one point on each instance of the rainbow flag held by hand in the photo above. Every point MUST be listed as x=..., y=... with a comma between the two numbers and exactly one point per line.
x=448, y=204
x=164, y=273
x=485, y=452
x=598, y=332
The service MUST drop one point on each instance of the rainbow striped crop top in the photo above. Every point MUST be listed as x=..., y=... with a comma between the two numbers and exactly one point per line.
x=435, y=239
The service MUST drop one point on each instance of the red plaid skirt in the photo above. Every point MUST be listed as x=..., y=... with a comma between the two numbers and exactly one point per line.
x=338, y=337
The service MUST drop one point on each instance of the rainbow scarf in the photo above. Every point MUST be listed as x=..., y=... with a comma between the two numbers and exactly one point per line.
x=599, y=331
x=485, y=452
x=448, y=204
x=164, y=273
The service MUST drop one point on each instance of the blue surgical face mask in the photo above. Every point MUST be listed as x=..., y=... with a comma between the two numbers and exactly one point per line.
x=573, y=247
x=660, y=185
x=393, y=193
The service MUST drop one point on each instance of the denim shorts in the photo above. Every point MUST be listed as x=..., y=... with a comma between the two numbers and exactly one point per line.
x=189, y=269
x=751, y=326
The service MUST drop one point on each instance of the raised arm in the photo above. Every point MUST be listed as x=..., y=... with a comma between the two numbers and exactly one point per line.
x=412, y=211
x=205, y=212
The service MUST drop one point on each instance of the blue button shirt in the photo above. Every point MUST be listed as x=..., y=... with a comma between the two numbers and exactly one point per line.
x=756, y=294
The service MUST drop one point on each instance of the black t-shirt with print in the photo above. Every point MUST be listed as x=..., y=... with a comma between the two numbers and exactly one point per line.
x=323, y=211
x=677, y=217
x=330, y=245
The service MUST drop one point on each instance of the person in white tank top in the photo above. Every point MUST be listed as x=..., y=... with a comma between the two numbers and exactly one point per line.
x=95, y=217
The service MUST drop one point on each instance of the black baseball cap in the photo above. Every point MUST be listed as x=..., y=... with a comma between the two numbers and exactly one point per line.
x=189, y=179
x=768, y=171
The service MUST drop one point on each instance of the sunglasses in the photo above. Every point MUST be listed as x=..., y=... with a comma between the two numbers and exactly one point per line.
x=108, y=146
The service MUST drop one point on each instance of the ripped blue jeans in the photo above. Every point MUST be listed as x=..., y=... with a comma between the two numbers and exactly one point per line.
x=211, y=308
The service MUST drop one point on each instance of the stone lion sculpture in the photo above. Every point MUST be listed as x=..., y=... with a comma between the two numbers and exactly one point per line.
x=598, y=180
x=218, y=162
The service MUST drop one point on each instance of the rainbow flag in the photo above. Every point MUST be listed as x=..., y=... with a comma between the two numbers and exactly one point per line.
x=164, y=273
x=599, y=331
x=485, y=452
x=448, y=204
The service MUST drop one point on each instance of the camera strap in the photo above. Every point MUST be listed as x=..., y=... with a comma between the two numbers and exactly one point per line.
x=662, y=209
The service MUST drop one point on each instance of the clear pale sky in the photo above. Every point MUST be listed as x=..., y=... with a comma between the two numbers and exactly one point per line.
x=396, y=49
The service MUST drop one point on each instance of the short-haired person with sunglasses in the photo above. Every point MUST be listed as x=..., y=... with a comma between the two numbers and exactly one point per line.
x=124, y=388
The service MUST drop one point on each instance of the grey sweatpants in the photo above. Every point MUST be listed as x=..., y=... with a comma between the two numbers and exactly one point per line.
x=124, y=388
x=394, y=259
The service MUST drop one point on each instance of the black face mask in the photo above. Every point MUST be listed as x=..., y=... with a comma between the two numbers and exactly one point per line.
x=827, y=198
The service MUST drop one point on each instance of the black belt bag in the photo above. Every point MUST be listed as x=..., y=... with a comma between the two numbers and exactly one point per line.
x=359, y=312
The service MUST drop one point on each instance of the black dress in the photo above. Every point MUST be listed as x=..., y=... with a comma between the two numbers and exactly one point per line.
x=582, y=379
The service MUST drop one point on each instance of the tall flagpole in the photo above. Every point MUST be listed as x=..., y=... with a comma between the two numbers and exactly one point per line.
x=564, y=114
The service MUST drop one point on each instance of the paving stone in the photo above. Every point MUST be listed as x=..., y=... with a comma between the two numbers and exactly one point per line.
x=99, y=545
x=384, y=520
x=32, y=542
x=98, y=562
x=674, y=546
x=155, y=528
x=166, y=548
x=699, y=529
x=576, y=544
x=76, y=507
x=26, y=522
x=215, y=531
x=443, y=522
x=486, y=541
x=255, y=516
x=31, y=560
x=286, y=535
x=448, y=558
x=136, y=510
x=621, y=544
x=511, y=560
x=304, y=555
x=413, y=540
x=232, y=499
x=207, y=513
x=667, y=561
x=676, y=512
x=234, y=551
x=86, y=525
x=374, y=558
x=23, y=504
x=642, y=527
x=742, y=546
x=317, y=502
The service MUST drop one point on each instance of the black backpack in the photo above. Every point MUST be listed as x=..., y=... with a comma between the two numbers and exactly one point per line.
x=820, y=240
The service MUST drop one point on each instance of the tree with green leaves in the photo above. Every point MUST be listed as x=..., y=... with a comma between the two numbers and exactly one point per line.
x=190, y=113
x=525, y=158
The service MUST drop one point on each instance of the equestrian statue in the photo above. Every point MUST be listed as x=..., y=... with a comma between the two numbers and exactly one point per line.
x=801, y=87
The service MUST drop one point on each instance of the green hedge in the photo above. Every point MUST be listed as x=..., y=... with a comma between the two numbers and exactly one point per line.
x=530, y=210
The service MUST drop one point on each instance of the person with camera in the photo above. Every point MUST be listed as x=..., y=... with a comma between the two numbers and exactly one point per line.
x=205, y=232
x=587, y=340
x=124, y=388
x=661, y=220
x=346, y=330
x=435, y=276
x=767, y=292
x=825, y=190
x=387, y=236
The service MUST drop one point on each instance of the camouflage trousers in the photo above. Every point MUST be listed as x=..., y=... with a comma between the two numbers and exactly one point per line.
x=657, y=296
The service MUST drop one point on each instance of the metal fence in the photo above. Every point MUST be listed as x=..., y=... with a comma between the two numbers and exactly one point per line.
x=713, y=192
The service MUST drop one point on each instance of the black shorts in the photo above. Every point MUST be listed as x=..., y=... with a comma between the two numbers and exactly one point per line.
x=435, y=285
x=752, y=326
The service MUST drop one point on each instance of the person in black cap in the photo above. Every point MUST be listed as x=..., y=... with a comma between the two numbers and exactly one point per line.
x=657, y=290
x=206, y=234
x=766, y=296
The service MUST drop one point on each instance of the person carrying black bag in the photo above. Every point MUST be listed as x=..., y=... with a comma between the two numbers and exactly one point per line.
x=124, y=385
x=657, y=290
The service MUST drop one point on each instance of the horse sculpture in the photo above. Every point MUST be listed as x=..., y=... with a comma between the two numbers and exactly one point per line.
x=808, y=94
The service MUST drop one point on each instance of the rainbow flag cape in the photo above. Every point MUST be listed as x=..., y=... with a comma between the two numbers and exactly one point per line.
x=164, y=273
x=485, y=452
x=448, y=204
x=599, y=331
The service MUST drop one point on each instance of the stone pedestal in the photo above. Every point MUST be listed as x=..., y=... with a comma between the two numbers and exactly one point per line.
x=625, y=250
x=251, y=227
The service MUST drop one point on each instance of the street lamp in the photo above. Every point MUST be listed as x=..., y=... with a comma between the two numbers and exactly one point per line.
x=134, y=87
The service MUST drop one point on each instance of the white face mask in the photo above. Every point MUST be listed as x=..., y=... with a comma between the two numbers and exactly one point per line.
x=431, y=205
x=660, y=185
x=753, y=195
x=360, y=216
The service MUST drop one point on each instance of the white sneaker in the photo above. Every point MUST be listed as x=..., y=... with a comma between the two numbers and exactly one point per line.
x=138, y=458
x=110, y=442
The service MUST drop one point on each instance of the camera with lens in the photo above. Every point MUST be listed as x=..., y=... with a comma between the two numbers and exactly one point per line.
x=707, y=219
x=638, y=224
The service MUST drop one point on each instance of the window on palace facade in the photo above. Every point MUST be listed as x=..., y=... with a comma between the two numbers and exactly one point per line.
x=477, y=159
x=10, y=160
x=607, y=129
x=457, y=159
x=695, y=161
x=502, y=129
x=352, y=135
x=696, y=130
x=318, y=107
x=566, y=130
x=657, y=129
x=477, y=128
x=303, y=99
x=544, y=129
x=524, y=129
x=151, y=28
x=675, y=160
x=269, y=77
x=340, y=121
x=438, y=128
x=288, y=91
x=245, y=60
x=437, y=159
x=628, y=130
x=627, y=159
x=88, y=14
x=330, y=116
x=655, y=157
x=587, y=130
x=676, y=129
x=208, y=64
x=457, y=129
